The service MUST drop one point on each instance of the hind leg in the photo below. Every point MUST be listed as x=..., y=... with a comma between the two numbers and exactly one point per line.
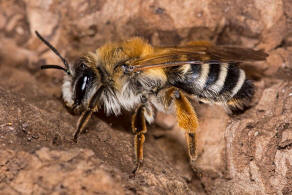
x=187, y=120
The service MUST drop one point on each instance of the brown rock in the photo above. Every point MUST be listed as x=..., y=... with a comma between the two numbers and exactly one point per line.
x=74, y=171
x=245, y=154
x=279, y=59
x=166, y=121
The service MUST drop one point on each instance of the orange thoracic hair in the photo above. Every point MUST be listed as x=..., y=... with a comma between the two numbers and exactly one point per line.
x=110, y=54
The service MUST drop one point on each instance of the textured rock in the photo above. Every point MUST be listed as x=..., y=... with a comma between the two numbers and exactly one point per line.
x=245, y=154
x=72, y=171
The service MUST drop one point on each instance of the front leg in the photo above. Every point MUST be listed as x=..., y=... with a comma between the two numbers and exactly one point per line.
x=82, y=122
x=86, y=115
x=139, y=129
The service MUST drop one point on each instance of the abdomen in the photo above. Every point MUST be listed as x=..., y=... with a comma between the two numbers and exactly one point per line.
x=214, y=82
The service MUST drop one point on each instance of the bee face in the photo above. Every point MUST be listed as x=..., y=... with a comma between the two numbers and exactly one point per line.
x=79, y=87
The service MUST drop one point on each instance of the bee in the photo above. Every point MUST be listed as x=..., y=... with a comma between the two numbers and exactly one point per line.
x=133, y=75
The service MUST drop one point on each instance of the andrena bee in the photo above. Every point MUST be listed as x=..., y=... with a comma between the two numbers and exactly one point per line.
x=135, y=76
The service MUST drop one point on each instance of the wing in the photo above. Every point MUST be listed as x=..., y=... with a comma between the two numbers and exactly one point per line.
x=195, y=53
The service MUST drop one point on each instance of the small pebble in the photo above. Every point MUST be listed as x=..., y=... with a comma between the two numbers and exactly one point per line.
x=35, y=136
x=24, y=125
x=11, y=128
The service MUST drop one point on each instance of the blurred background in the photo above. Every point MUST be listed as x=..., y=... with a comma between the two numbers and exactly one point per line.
x=246, y=154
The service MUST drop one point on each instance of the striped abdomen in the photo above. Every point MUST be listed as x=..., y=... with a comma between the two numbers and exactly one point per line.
x=214, y=82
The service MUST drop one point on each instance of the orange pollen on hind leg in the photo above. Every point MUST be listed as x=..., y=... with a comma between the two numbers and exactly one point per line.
x=187, y=118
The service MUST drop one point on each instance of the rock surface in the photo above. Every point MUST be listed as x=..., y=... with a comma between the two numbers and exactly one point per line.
x=246, y=154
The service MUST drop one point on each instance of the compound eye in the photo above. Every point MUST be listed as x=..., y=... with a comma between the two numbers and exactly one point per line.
x=80, y=89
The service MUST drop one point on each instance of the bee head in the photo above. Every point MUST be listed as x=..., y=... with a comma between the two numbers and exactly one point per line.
x=79, y=87
x=80, y=81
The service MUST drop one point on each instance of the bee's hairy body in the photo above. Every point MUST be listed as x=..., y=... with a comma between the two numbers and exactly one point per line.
x=211, y=82
x=134, y=76
x=121, y=91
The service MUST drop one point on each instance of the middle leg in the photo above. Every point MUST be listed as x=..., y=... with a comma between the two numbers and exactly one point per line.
x=139, y=128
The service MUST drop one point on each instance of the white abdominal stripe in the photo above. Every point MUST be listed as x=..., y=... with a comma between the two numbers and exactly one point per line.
x=212, y=82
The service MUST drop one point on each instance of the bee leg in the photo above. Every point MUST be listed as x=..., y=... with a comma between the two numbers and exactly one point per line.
x=139, y=129
x=85, y=116
x=187, y=120
x=83, y=120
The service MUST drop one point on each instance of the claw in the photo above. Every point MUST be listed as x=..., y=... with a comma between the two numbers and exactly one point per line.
x=139, y=164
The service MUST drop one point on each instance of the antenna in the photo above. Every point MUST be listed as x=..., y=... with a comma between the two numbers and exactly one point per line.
x=66, y=69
